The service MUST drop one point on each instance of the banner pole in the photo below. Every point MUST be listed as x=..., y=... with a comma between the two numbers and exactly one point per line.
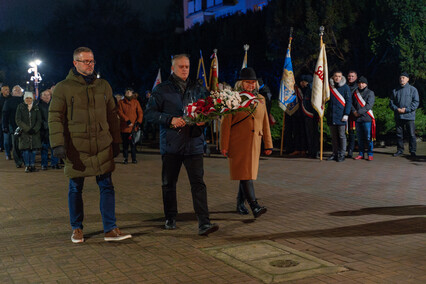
x=322, y=117
x=282, y=135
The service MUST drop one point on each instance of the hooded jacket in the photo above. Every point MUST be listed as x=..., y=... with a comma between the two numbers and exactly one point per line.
x=83, y=118
x=167, y=101
x=336, y=111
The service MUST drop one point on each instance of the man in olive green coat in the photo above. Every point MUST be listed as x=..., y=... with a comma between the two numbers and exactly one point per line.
x=84, y=130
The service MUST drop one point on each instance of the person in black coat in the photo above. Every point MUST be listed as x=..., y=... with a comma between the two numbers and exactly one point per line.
x=9, y=123
x=180, y=143
x=4, y=139
x=43, y=105
x=362, y=109
x=339, y=108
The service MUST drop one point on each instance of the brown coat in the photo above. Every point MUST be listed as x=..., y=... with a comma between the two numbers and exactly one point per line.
x=129, y=111
x=243, y=140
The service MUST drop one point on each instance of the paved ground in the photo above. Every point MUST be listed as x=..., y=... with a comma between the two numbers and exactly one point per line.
x=369, y=217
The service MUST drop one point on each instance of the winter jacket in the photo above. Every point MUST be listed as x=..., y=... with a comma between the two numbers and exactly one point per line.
x=336, y=111
x=168, y=101
x=44, y=131
x=30, y=123
x=83, y=117
x=2, y=101
x=9, y=111
x=368, y=96
x=405, y=96
x=130, y=112
x=307, y=98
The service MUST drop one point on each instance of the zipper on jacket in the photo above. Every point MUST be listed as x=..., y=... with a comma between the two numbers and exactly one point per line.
x=72, y=107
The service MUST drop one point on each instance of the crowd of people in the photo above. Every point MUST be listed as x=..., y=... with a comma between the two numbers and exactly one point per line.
x=350, y=118
x=81, y=123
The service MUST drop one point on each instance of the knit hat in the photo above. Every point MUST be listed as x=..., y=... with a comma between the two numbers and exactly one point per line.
x=28, y=95
x=405, y=74
x=362, y=79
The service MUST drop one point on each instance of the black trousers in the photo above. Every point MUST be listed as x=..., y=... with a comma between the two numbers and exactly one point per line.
x=170, y=173
x=126, y=143
x=411, y=129
x=312, y=135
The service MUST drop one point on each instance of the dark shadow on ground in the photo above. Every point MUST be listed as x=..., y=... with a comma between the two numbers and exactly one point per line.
x=416, y=225
x=393, y=211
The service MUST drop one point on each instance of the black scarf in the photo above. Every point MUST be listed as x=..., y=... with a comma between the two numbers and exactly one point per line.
x=88, y=79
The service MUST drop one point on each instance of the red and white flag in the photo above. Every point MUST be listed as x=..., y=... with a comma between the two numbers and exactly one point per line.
x=158, y=79
x=320, y=88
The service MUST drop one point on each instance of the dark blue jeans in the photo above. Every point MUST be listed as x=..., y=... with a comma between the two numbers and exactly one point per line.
x=363, y=132
x=29, y=157
x=45, y=147
x=107, y=202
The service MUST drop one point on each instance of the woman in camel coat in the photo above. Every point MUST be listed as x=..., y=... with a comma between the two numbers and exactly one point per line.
x=241, y=139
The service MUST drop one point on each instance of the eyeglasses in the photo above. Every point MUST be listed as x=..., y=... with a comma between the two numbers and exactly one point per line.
x=87, y=62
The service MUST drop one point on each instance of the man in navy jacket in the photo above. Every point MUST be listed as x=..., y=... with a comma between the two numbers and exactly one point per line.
x=339, y=108
x=179, y=142
x=404, y=101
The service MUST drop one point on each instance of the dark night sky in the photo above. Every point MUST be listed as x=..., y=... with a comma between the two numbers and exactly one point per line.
x=33, y=14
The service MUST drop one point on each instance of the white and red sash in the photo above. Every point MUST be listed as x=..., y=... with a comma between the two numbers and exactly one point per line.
x=305, y=111
x=361, y=102
x=338, y=96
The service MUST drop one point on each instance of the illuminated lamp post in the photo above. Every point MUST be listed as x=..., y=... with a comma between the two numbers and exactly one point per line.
x=37, y=77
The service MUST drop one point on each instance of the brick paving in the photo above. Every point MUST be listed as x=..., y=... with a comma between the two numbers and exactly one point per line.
x=369, y=217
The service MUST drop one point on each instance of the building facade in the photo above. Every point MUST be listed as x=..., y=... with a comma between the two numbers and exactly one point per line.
x=199, y=11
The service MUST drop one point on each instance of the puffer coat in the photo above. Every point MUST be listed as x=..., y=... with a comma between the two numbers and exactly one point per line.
x=83, y=118
x=30, y=123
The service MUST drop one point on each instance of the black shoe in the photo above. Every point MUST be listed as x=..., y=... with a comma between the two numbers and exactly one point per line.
x=332, y=157
x=397, y=154
x=257, y=209
x=413, y=154
x=27, y=169
x=134, y=161
x=170, y=224
x=19, y=166
x=208, y=228
x=33, y=169
x=43, y=168
x=350, y=154
x=58, y=167
x=241, y=208
x=125, y=161
x=341, y=158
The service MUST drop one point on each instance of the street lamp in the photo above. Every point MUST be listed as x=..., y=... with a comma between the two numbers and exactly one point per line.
x=37, y=77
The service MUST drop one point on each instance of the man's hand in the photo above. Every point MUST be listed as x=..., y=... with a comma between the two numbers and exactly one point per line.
x=224, y=152
x=356, y=114
x=115, y=149
x=59, y=152
x=178, y=122
x=401, y=110
x=268, y=152
x=200, y=123
x=345, y=118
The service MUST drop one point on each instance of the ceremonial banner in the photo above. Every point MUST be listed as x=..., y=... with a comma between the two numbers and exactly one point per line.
x=158, y=79
x=201, y=73
x=214, y=72
x=320, y=88
x=288, y=100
